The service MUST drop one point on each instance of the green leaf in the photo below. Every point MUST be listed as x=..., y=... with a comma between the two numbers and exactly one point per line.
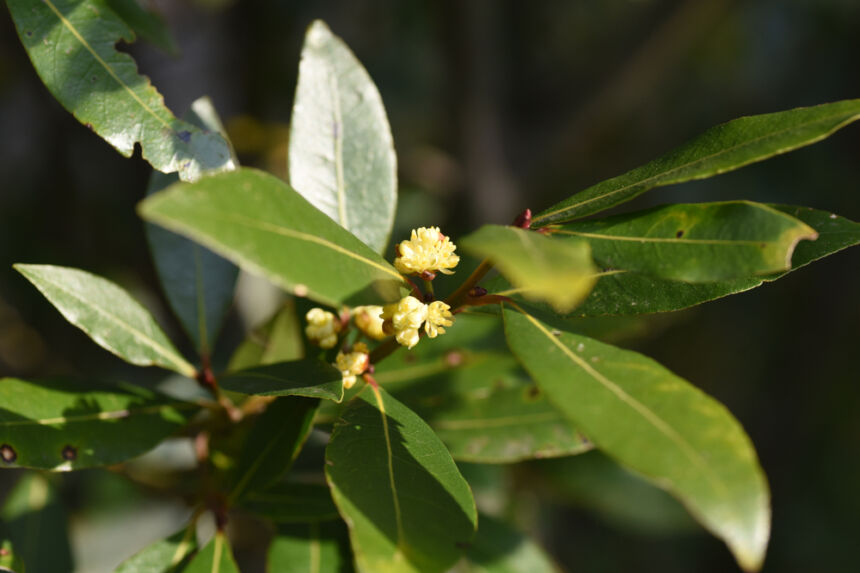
x=499, y=548
x=66, y=424
x=147, y=24
x=310, y=378
x=278, y=340
x=10, y=561
x=341, y=151
x=198, y=283
x=617, y=496
x=479, y=402
x=406, y=504
x=292, y=503
x=654, y=423
x=35, y=520
x=273, y=444
x=215, y=557
x=720, y=149
x=556, y=271
x=627, y=293
x=108, y=314
x=261, y=224
x=695, y=243
x=72, y=46
x=164, y=556
x=312, y=547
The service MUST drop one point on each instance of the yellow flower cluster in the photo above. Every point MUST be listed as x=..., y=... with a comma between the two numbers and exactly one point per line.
x=428, y=250
x=368, y=319
x=323, y=328
x=409, y=314
x=353, y=363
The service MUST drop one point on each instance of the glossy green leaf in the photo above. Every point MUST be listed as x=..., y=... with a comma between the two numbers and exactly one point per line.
x=34, y=520
x=341, y=150
x=277, y=340
x=292, y=503
x=406, y=504
x=260, y=223
x=655, y=423
x=722, y=148
x=215, y=557
x=701, y=242
x=147, y=24
x=479, y=402
x=627, y=293
x=310, y=378
x=273, y=444
x=198, y=283
x=499, y=548
x=108, y=314
x=72, y=46
x=615, y=495
x=164, y=556
x=559, y=272
x=67, y=424
x=311, y=547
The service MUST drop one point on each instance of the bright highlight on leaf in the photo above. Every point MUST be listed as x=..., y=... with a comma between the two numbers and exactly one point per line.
x=558, y=272
x=696, y=243
x=102, y=88
x=341, y=151
x=108, y=314
x=654, y=423
x=722, y=148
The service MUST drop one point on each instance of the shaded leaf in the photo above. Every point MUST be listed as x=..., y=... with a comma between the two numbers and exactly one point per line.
x=67, y=424
x=479, y=402
x=198, y=283
x=310, y=378
x=72, y=46
x=292, y=503
x=499, y=548
x=556, y=271
x=108, y=314
x=655, y=423
x=615, y=495
x=341, y=151
x=406, y=504
x=261, y=224
x=312, y=547
x=696, y=243
x=273, y=444
x=278, y=340
x=720, y=149
x=34, y=519
x=163, y=556
x=147, y=24
x=215, y=557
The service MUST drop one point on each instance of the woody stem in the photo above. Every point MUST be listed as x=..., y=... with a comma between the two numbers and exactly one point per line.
x=459, y=295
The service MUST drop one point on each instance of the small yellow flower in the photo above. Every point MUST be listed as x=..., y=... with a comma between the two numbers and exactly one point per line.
x=438, y=315
x=427, y=250
x=406, y=317
x=353, y=363
x=368, y=319
x=322, y=328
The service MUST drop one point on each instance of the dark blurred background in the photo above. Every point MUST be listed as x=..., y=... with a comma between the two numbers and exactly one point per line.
x=497, y=106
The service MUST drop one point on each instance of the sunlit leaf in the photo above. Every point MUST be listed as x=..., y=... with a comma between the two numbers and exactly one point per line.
x=260, y=223
x=108, y=314
x=310, y=378
x=163, y=556
x=341, y=151
x=657, y=424
x=72, y=46
x=720, y=149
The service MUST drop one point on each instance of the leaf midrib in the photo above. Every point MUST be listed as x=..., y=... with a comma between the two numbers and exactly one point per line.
x=723, y=151
x=390, y=458
x=109, y=415
x=640, y=239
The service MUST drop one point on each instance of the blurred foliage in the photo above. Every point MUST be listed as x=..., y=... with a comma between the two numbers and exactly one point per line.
x=494, y=106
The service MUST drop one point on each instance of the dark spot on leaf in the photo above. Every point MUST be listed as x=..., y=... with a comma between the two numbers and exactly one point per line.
x=94, y=79
x=680, y=233
x=186, y=165
x=410, y=357
x=763, y=245
x=462, y=544
x=89, y=126
x=7, y=453
x=184, y=136
x=29, y=33
x=70, y=453
x=533, y=392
